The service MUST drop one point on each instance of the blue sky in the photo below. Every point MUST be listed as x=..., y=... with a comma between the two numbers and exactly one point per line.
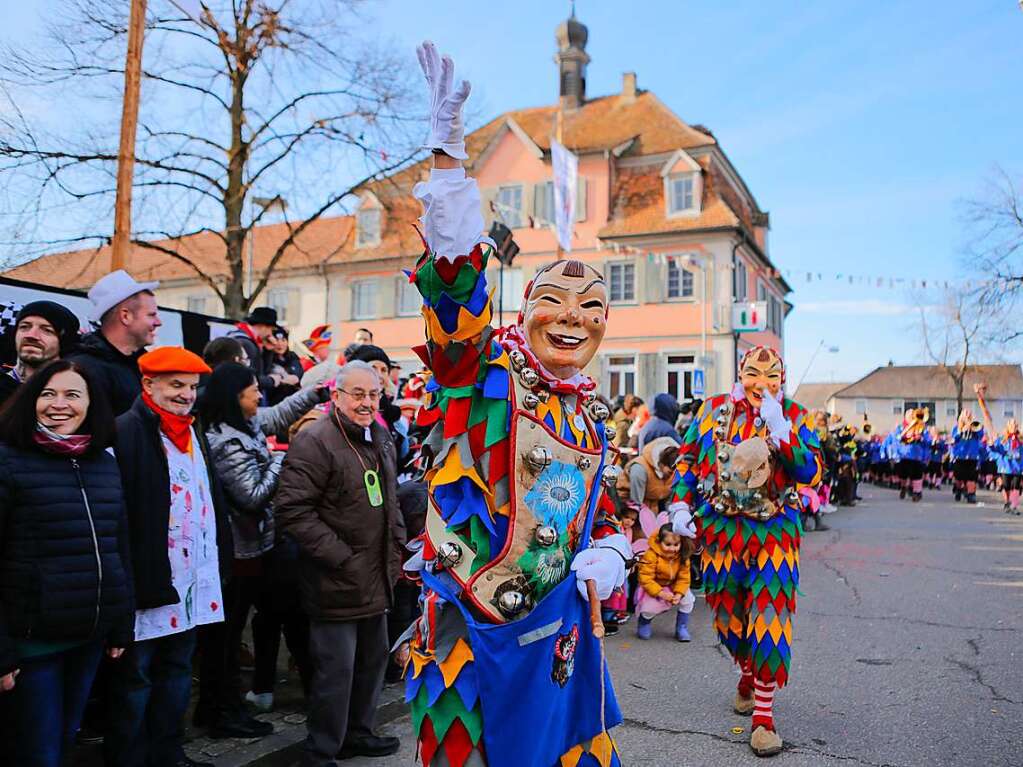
x=859, y=126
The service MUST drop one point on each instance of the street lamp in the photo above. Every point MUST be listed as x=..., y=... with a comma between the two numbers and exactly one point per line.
x=831, y=350
x=264, y=204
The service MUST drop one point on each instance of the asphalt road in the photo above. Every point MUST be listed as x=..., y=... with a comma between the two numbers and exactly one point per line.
x=908, y=651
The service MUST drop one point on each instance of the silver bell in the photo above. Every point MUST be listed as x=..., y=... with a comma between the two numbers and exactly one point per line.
x=765, y=514
x=722, y=409
x=719, y=507
x=793, y=497
x=720, y=433
x=589, y=398
x=611, y=475
x=721, y=420
x=725, y=476
x=583, y=463
x=539, y=458
x=511, y=603
x=724, y=455
x=599, y=411
x=449, y=554
x=546, y=535
x=758, y=496
x=610, y=432
x=758, y=422
x=518, y=359
x=530, y=401
x=529, y=377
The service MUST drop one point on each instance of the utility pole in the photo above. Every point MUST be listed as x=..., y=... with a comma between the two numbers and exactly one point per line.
x=129, y=124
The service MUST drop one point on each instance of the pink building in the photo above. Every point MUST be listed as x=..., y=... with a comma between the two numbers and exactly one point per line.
x=661, y=211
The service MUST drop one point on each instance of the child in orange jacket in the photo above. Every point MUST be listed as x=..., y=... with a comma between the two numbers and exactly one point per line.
x=664, y=582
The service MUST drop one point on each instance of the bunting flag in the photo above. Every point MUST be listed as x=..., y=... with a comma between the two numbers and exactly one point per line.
x=566, y=180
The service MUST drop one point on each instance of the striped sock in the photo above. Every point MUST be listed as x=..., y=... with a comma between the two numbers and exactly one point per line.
x=746, y=680
x=763, y=710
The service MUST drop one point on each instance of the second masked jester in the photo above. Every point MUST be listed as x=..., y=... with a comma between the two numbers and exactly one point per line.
x=517, y=468
x=742, y=466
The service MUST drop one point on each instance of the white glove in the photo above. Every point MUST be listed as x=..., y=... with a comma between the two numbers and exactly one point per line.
x=770, y=410
x=682, y=519
x=447, y=132
x=604, y=564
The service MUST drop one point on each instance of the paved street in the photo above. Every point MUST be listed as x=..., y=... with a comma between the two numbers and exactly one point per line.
x=908, y=651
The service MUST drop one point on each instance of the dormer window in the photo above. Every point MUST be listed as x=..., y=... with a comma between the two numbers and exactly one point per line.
x=682, y=193
x=367, y=222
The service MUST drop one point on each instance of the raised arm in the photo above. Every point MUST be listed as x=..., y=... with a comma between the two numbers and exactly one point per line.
x=451, y=274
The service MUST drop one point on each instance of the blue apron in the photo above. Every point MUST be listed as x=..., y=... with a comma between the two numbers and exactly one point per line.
x=540, y=677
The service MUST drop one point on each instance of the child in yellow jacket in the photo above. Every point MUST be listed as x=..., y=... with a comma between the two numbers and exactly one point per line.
x=664, y=582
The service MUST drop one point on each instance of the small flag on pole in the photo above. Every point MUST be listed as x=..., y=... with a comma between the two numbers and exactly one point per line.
x=566, y=179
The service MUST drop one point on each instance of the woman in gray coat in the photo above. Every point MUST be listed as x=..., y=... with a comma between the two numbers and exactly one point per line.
x=237, y=430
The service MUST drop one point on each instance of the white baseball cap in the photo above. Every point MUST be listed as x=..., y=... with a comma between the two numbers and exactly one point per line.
x=113, y=288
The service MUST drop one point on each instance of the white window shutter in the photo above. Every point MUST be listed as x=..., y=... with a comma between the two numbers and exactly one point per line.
x=540, y=203
x=656, y=283
x=580, y=200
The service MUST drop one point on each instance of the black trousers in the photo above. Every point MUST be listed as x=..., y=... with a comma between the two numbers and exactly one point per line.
x=349, y=660
x=280, y=612
x=220, y=675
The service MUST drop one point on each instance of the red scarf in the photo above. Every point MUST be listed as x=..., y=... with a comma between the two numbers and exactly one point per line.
x=60, y=444
x=177, y=428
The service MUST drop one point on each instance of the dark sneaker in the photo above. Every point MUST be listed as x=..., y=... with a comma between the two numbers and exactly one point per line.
x=242, y=726
x=369, y=746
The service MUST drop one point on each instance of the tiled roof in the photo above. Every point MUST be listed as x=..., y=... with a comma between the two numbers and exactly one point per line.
x=815, y=396
x=927, y=382
x=608, y=122
x=603, y=123
x=80, y=269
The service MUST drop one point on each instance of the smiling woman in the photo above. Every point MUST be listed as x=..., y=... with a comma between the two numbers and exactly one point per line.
x=62, y=521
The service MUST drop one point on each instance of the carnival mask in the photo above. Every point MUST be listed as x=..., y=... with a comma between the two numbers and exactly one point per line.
x=761, y=369
x=751, y=462
x=565, y=316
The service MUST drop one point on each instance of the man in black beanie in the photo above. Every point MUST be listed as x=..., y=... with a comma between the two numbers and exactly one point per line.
x=43, y=331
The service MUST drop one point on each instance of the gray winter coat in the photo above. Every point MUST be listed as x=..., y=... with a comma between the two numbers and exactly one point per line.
x=248, y=470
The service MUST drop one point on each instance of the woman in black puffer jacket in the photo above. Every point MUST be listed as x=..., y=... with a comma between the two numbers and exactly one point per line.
x=65, y=584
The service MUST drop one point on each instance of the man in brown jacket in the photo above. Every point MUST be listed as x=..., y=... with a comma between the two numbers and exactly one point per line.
x=337, y=498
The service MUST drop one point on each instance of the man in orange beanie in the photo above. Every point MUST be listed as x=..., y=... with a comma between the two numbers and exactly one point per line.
x=179, y=538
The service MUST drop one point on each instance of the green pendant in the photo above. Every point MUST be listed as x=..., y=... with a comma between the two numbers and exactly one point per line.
x=372, y=482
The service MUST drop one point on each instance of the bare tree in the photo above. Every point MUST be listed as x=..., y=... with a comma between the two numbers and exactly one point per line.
x=994, y=251
x=276, y=98
x=953, y=334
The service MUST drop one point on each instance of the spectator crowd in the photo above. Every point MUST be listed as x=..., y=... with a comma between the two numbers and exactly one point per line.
x=155, y=501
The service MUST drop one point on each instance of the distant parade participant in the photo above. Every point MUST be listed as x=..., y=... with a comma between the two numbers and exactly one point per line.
x=741, y=468
x=915, y=453
x=967, y=452
x=505, y=665
x=934, y=468
x=1007, y=451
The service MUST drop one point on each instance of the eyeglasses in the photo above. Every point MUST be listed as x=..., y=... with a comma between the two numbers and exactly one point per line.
x=360, y=395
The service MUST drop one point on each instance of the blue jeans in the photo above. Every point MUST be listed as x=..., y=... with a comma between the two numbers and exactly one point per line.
x=147, y=700
x=49, y=698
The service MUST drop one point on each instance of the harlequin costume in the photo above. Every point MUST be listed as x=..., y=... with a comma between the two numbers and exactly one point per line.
x=751, y=529
x=516, y=476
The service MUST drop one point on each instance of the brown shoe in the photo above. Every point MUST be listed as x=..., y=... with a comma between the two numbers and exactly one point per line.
x=765, y=742
x=743, y=706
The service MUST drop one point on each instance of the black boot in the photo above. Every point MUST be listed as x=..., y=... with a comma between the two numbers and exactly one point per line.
x=371, y=745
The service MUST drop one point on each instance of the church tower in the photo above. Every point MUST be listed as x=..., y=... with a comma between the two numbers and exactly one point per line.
x=572, y=60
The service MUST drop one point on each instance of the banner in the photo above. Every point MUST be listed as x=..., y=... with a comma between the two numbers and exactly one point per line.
x=566, y=175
